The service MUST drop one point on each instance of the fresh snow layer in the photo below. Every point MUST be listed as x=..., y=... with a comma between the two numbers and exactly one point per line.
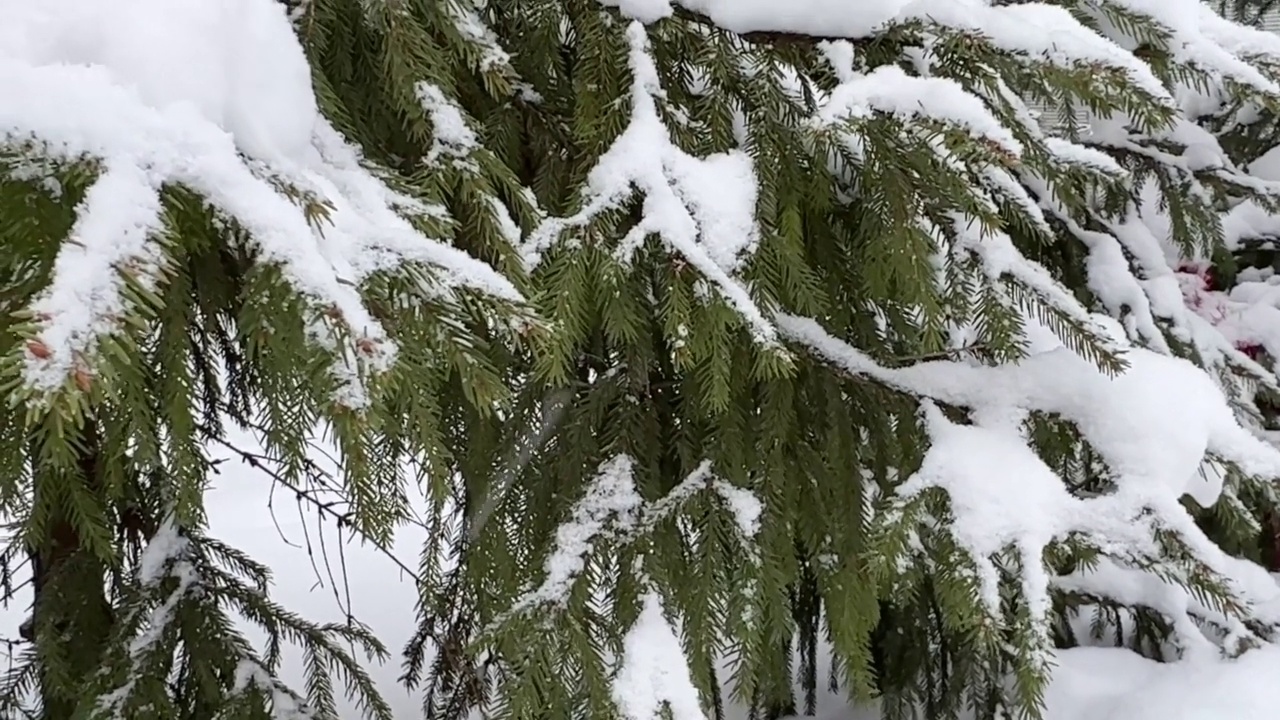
x=891, y=90
x=1155, y=425
x=1038, y=30
x=1154, y=440
x=215, y=96
x=1110, y=684
x=228, y=62
x=701, y=208
x=1114, y=684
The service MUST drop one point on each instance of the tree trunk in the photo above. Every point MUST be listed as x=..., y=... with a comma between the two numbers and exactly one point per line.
x=71, y=613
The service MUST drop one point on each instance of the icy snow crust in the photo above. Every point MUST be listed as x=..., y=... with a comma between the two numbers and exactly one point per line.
x=215, y=96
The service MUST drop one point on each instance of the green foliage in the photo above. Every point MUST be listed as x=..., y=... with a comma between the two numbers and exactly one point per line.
x=645, y=388
x=216, y=333
x=664, y=375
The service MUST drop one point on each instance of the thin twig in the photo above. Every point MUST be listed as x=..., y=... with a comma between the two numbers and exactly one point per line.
x=254, y=461
x=950, y=354
x=271, y=506
x=306, y=539
x=346, y=577
x=328, y=566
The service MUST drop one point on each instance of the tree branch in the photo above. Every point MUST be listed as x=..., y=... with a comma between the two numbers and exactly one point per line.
x=554, y=405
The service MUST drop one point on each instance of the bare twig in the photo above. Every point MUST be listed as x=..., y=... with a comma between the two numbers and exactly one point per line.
x=950, y=354
x=333, y=582
x=306, y=539
x=258, y=462
x=271, y=505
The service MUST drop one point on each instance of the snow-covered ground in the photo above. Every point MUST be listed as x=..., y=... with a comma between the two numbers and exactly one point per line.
x=1090, y=683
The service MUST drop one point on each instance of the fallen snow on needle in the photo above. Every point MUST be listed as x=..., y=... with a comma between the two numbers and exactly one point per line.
x=215, y=96
x=1040, y=30
x=1155, y=425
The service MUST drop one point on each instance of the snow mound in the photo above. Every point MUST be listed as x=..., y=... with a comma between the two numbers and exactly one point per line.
x=1114, y=684
x=233, y=63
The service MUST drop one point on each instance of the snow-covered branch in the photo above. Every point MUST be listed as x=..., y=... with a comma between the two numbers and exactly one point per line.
x=149, y=93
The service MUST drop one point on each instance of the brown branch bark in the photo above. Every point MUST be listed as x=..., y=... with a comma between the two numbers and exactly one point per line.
x=760, y=37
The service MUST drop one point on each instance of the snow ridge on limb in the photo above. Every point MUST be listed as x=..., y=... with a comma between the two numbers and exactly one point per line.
x=703, y=208
x=1004, y=496
x=300, y=191
x=613, y=512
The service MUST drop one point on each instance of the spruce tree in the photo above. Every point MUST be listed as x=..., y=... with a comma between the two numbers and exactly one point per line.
x=1230, y=289
x=907, y=204
x=719, y=338
x=1187, y=237
x=195, y=238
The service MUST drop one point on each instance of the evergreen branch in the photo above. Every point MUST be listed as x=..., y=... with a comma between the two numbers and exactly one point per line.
x=554, y=405
x=764, y=37
x=19, y=682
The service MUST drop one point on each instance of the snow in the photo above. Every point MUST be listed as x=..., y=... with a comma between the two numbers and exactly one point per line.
x=453, y=137
x=1038, y=30
x=1076, y=154
x=1154, y=440
x=612, y=509
x=164, y=557
x=216, y=97
x=743, y=505
x=1094, y=683
x=646, y=11
x=654, y=671
x=471, y=27
x=612, y=495
x=890, y=90
x=284, y=704
x=1110, y=684
x=165, y=546
x=702, y=208
x=1188, y=21
x=1001, y=494
x=224, y=61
